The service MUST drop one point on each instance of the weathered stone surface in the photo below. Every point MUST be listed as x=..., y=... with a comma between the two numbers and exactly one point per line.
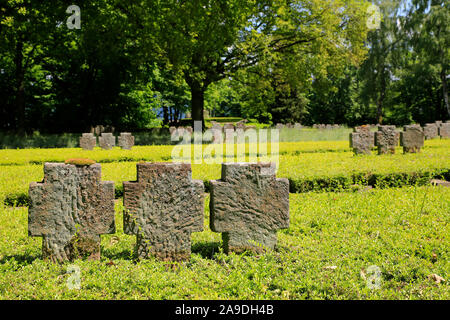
x=88, y=141
x=430, y=131
x=162, y=208
x=229, y=133
x=107, y=141
x=180, y=132
x=240, y=125
x=386, y=139
x=444, y=130
x=412, y=138
x=228, y=126
x=217, y=135
x=280, y=126
x=362, y=140
x=70, y=209
x=248, y=205
x=298, y=126
x=99, y=129
x=442, y=183
x=126, y=140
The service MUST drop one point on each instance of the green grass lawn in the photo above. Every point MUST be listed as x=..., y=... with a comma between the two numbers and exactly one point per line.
x=309, y=166
x=327, y=253
x=332, y=241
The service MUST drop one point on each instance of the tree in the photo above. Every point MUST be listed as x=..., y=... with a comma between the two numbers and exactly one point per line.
x=379, y=68
x=25, y=30
x=209, y=40
x=429, y=26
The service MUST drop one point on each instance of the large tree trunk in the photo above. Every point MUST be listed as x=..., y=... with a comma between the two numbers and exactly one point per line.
x=166, y=119
x=445, y=90
x=381, y=97
x=198, y=104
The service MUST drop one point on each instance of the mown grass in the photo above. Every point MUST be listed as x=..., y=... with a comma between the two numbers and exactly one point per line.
x=308, y=169
x=332, y=241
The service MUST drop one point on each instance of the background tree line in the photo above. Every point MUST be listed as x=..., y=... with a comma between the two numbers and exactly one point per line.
x=135, y=61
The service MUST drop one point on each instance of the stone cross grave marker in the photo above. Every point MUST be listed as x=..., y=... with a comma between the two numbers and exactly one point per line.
x=362, y=140
x=412, y=138
x=107, y=141
x=70, y=209
x=248, y=205
x=162, y=208
x=386, y=139
x=444, y=130
x=431, y=131
x=126, y=140
x=88, y=141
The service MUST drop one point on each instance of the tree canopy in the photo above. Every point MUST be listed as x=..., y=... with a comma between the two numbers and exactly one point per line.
x=139, y=63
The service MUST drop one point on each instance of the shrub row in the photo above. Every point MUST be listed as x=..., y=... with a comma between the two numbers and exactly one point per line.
x=318, y=184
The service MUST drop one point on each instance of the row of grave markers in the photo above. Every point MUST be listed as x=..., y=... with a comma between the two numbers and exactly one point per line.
x=412, y=138
x=72, y=207
x=107, y=141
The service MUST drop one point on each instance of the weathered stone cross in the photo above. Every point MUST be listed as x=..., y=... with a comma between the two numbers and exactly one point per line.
x=248, y=205
x=126, y=140
x=412, y=138
x=107, y=141
x=70, y=209
x=162, y=208
x=362, y=140
x=88, y=141
x=386, y=139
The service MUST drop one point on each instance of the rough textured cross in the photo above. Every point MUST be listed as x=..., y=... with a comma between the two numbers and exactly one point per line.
x=444, y=130
x=70, y=209
x=386, y=139
x=162, y=208
x=412, y=138
x=248, y=205
x=126, y=140
x=362, y=140
x=431, y=131
x=88, y=141
x=107, y=141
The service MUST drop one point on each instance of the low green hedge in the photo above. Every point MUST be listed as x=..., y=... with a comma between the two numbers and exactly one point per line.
x=317, y=184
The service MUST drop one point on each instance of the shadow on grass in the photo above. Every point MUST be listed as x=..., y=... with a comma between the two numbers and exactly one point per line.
x=206, y=249
x=22, y=259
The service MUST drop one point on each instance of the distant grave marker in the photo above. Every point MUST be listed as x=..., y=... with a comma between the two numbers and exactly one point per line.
x=386, y=139
x=362, y=140
x=126, y=140
x=88, y=141
x=444, y=130
x=431, y=131
x=107, y=141
x=412, y=138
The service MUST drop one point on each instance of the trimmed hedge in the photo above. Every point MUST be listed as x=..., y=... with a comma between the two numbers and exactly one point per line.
x=319, y=184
